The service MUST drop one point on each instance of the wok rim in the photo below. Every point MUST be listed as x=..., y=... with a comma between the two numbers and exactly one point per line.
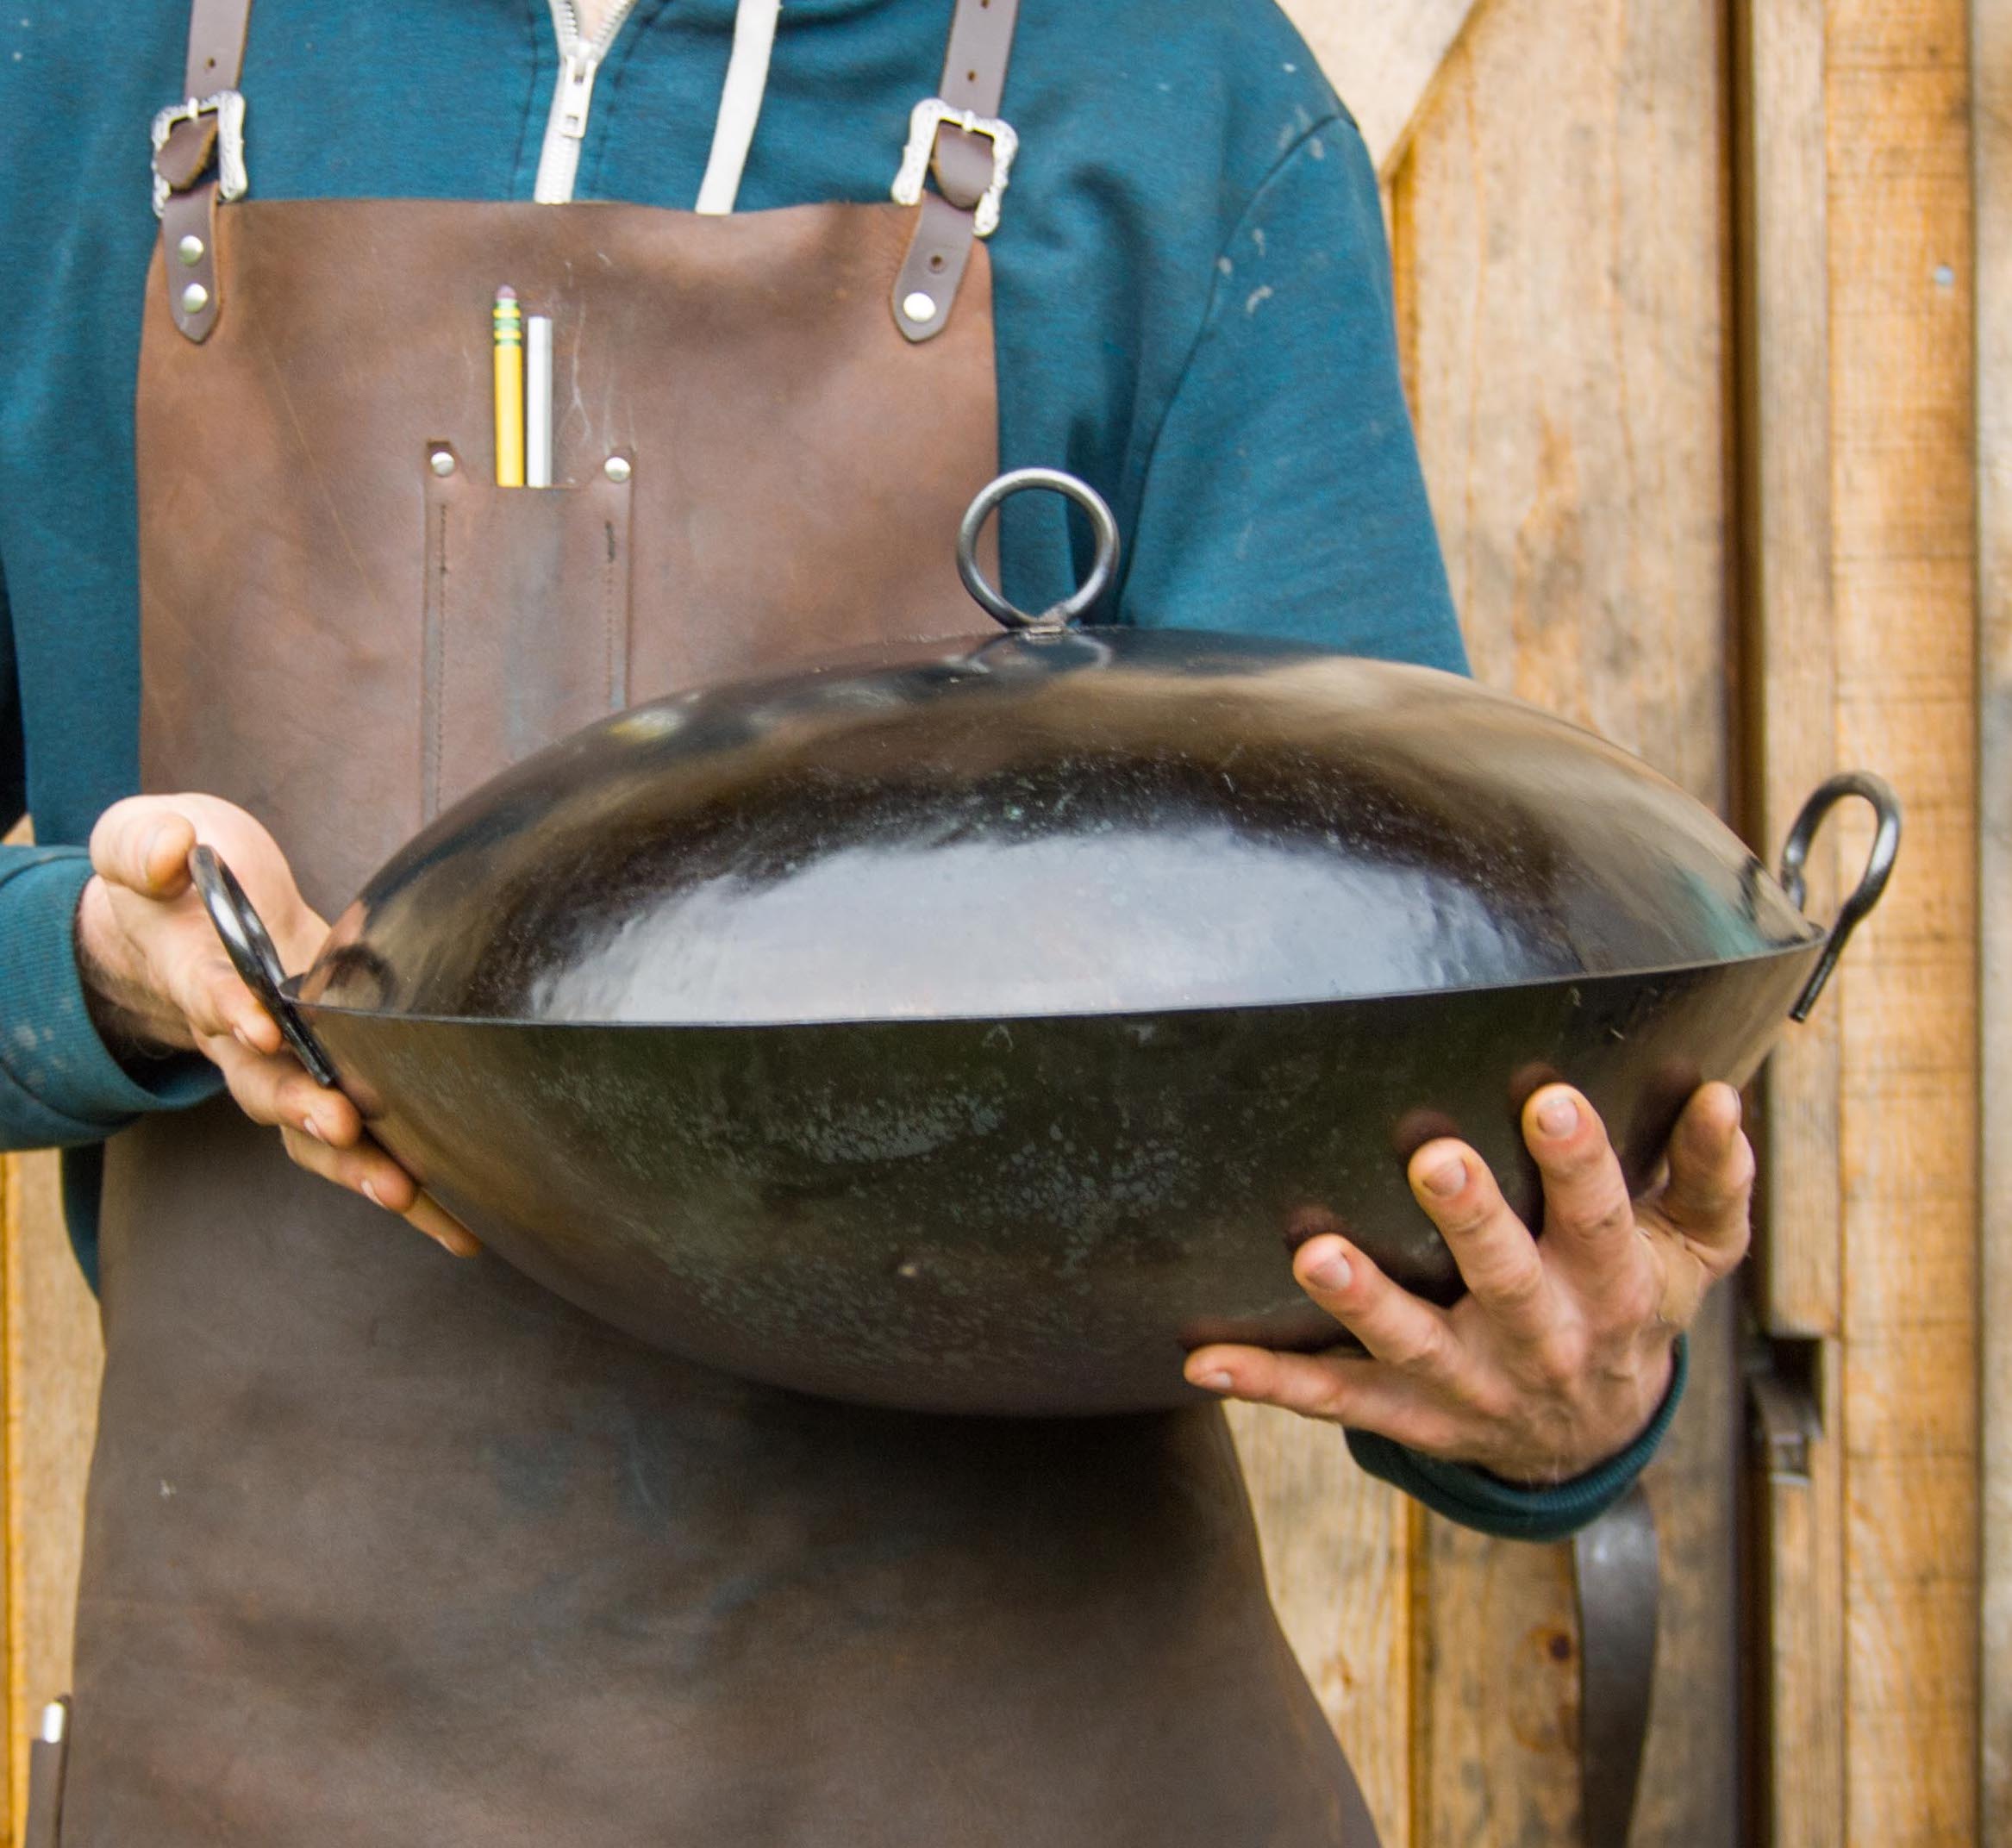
x=1814, y=942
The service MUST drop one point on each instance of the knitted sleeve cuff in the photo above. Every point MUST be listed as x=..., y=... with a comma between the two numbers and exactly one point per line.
x=1516, y=1511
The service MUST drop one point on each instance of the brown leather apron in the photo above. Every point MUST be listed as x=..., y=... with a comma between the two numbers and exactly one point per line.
x=387, y=1548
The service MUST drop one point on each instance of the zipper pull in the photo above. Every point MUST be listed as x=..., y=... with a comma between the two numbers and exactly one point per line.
x=576, y=92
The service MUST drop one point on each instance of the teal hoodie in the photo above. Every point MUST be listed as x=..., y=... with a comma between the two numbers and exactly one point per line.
x=1193, y=310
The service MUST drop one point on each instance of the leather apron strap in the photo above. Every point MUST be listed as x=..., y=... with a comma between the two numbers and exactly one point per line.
x=199, y=149
x=970, y=151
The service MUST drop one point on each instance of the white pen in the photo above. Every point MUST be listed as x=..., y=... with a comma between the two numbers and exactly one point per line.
x=538, y=400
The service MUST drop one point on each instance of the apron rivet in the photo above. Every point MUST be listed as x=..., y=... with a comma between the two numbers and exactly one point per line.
x=195, y=299
x=189, y=249
x=919, y=306
x=442, y=461
x=616, y=468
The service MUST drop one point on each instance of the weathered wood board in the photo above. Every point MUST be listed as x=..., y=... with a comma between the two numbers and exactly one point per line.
x=1562, y=212
x=1991, y=117
x=1383, y=59
x=1903, y=576
x=53, y=1355
x=1561, y=222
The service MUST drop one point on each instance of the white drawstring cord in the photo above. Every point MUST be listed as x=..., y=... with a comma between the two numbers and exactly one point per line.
x=754, y=38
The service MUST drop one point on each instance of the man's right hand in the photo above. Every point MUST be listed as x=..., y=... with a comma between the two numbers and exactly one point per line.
x=158, y=981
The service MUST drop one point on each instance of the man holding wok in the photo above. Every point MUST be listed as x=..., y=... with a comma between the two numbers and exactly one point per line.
x=384, y=1543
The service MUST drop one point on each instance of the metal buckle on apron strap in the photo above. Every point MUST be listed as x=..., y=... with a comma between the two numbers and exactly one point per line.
x=225, y=135
x=964, y=206
x=931, y=114
x=189, y=139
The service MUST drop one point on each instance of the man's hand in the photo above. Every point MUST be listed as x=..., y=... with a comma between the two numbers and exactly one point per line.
x=1559, y=1354
x=158, y=981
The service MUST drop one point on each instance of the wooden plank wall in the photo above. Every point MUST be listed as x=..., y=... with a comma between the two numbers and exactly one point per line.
x=53, y=1357
x=1561, y=216
x=1903, y=576
x=1991, y=117
x=1788, y=680
x=1560, y=227
x=1561, y=231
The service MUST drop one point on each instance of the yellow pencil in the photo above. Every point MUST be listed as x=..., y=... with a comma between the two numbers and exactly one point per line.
x=509, y=390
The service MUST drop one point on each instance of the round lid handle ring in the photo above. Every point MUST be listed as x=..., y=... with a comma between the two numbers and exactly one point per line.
x=1879, y=867
x=249, y=945
x=1102, y=524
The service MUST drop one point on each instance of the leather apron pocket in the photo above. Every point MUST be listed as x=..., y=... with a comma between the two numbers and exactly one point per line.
x=526, y=618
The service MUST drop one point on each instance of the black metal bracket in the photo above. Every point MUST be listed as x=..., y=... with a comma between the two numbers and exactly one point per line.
x=249, y=945
x=1879, y=867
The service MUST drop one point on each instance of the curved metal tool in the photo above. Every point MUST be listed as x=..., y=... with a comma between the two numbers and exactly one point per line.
x=252, y=955
x=1879, y=867
x=1617, y=1580
x=1103, y=522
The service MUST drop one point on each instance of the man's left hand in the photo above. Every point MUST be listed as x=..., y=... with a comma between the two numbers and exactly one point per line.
x=1560, y=1353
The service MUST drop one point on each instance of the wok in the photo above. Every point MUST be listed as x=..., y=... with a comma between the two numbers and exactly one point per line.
x=974, y=1026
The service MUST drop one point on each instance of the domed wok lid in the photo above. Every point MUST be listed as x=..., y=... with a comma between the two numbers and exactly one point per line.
x=1049, y=822
x=1094, y=821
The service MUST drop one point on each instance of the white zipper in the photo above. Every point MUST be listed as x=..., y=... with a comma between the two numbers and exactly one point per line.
x=579, y=59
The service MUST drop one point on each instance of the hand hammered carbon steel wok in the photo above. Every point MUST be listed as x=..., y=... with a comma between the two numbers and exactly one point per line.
x=972, y=1025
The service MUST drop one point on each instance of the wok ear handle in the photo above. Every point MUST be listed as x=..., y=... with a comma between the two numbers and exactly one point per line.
x=1879, y=867
x=1103, y=522
x=252, y=954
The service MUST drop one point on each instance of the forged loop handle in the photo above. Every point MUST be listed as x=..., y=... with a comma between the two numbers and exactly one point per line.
x=1102, y=524
x=252, y=954
x=1871, y=883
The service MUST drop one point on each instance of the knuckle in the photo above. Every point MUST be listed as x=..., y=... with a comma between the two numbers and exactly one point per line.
x=1331, y=1400
x=1576, y=1163
x=1637, y=1296
x=1467, y=1218
x=254, y=1092
x=1559, y=1362
x=1613, y=1211
x=303, y=1151
x=1493, y=1398
x=1519, y=1283
x=1419, y=1347
x=395, y=1189
x=1723, y=1256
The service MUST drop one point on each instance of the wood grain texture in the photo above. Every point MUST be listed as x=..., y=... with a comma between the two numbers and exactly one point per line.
x=1991, y=127
x=53, y=1357
x=1789, y=655
x=1383, y=58
x=1562, y=245
x=1788, y=679
x=1904, y=561
x=1801, y=1682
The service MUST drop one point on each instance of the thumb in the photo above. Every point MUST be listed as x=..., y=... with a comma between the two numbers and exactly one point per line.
x=143, y=843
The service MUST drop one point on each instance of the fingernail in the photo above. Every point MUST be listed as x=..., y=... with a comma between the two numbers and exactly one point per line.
x=1331, y=1272
x=1558, y=1115
x=243, y=1039
x=370, y=1193
x=150, y=846
x=1215, y=1382
x=309, y=1127
x=1445, y=1177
